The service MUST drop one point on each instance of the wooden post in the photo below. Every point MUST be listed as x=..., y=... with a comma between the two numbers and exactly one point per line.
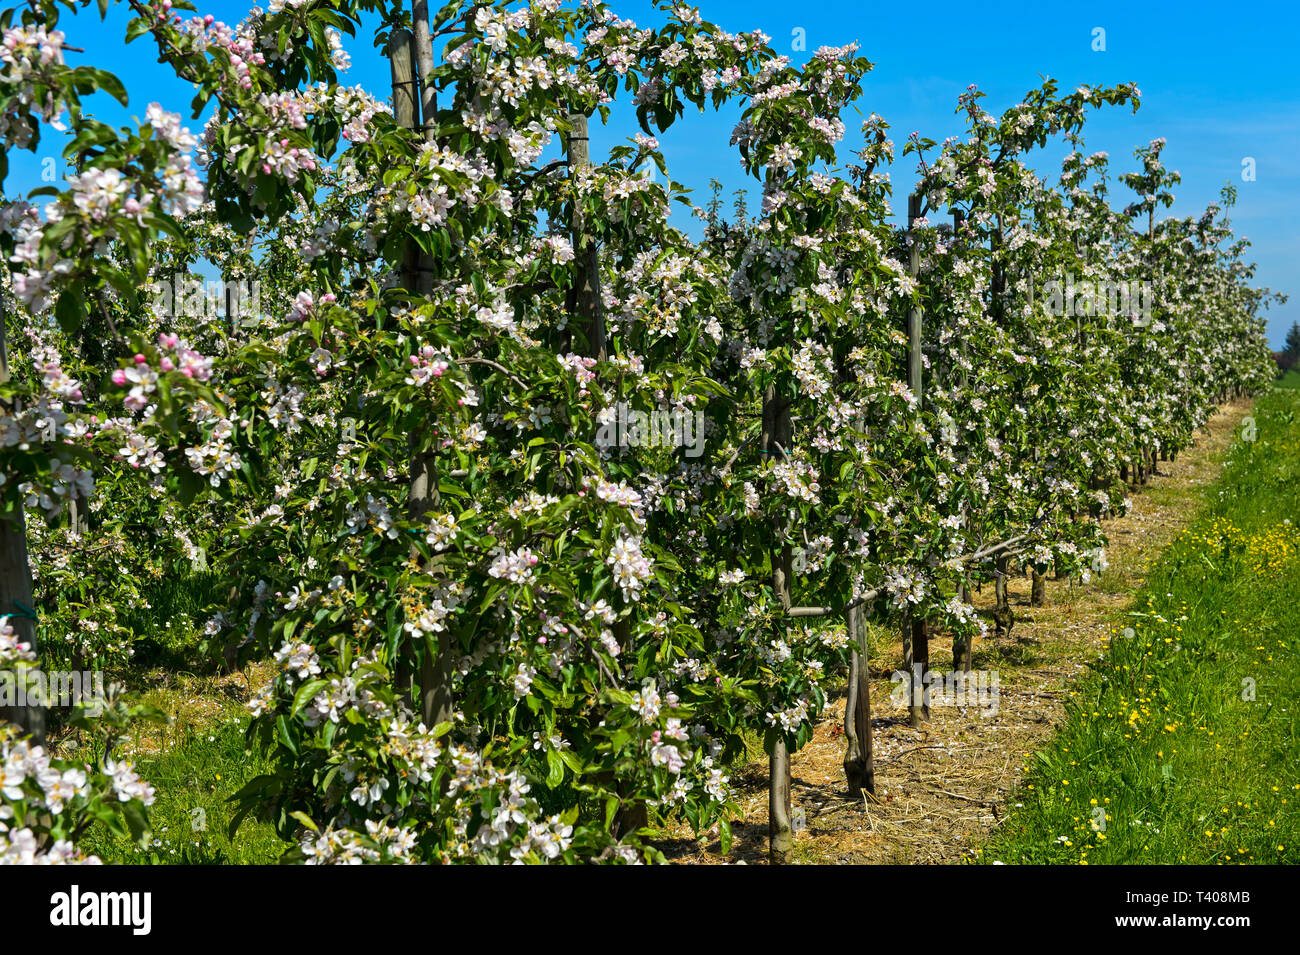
x=777, y=429
x=859, y=765
x=435, y=704
x=423, y=54
x=16, y=601
x=916, y=638
x=586, y=303
x=424, y=116
x=914, y=365
x=587, y=293
x=962, y=644
x=401, y=64
x=958, y=221
x=998, y=278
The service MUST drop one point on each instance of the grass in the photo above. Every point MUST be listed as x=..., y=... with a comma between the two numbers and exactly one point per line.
x=171, y=619
x=1289, y=381
x=204, y=765
x=1180, y=745
x=195, y=758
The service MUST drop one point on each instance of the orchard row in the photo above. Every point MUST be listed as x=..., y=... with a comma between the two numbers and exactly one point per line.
x=542, y=502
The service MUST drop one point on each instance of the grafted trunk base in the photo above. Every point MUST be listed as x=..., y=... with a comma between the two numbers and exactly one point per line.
x=780, y=838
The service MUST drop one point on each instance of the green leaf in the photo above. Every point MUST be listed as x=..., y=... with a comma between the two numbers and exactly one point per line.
x=136, y=820
x=304, y=819
x=304, y=694
x=556, y=765
x=70, y=309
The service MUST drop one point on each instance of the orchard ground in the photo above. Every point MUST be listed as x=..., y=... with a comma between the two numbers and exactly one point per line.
x=968, y=786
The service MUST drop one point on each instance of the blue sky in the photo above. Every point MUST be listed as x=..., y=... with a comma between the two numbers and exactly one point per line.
x=1219, y=81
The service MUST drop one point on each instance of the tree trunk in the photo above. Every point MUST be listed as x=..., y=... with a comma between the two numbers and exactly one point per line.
x=1038, y=593
x=631, y=817
x=780, y=837
x=962, y=645
x=916, y=661
x=962, y=650
x=15, y=594
x=1003, y=618
x=859, y=766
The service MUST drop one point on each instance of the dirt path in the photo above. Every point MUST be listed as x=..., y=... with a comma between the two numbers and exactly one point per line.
x=943, y=788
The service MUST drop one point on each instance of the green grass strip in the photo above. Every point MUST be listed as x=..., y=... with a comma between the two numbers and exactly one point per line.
x=1180, y=745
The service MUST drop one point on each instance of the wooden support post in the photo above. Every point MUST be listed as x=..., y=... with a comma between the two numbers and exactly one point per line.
x=423, y=54
x=777, y=430
x=425, y=98
x=958, y=223
x=435, y=703
x=587, y=305
x=587, y=300
x=916, y=639
x=405, y=111
x=914, y=363
x=401, y=63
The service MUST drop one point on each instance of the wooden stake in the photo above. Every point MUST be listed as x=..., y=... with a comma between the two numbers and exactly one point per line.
x=423, y=51
x=914, y=364
x=587, y=300
x=777, y=430
x=436, y=703
x=401, y=64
